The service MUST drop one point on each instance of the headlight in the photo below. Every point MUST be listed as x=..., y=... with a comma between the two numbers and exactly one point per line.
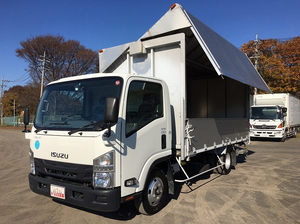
x=103, y=179
x=32, y=165
x=104, y=170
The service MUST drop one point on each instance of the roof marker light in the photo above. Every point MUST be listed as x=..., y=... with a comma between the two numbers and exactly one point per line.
x=173, y=6
x=100, y=51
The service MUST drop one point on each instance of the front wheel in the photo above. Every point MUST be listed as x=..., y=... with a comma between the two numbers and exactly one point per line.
x=283, y=138
x=226, y=159
x=154, y=194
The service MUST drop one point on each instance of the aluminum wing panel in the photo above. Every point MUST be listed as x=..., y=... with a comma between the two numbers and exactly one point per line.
x=226, y=58
x=174, y=19
x=108, y=56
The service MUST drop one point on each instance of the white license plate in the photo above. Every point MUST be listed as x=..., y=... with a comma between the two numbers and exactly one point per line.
x=57, y=191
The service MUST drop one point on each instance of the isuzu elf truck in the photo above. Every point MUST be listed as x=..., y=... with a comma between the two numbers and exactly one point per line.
x=180, y=93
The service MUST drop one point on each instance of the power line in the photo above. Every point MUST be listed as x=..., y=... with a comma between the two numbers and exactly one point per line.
x=25, y=80
x=25, y=75
x=20, y=83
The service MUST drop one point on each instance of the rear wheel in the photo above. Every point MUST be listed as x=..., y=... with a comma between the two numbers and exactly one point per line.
x=154, y=194
x=226, y=168
x=295, y=133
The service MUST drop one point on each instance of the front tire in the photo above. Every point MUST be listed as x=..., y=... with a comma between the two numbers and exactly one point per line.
x=154, y=194
x=283, y=138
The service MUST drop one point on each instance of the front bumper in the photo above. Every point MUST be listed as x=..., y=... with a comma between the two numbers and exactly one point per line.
x=266, y=133
x=105, y=200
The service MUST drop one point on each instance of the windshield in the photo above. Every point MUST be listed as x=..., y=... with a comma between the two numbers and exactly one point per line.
x=72, y=105
x=264, y=113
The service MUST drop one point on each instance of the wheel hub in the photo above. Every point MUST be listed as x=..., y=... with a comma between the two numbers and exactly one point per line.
x=155, y=191
x=227, y=161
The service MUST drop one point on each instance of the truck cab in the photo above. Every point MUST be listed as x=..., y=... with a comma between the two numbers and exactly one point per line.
x=90, y=143
x=267, y=121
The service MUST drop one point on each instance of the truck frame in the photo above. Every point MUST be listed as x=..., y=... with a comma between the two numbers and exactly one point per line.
x=173, y=96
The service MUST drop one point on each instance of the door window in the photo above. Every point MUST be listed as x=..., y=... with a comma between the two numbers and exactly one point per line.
x=144, y=104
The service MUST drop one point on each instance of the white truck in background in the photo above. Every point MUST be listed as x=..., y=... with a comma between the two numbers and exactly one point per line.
x=174, y=96
x=274, y=116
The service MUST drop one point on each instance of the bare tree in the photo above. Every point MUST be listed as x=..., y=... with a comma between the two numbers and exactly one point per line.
x=63, y=58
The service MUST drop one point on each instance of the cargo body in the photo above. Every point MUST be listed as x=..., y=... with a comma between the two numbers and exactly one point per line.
x=172, y=97
x=275, y=116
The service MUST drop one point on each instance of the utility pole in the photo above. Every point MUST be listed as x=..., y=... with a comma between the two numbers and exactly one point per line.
x=43, y=71
x=256, y=56
x=1, y=102
x=14, y=112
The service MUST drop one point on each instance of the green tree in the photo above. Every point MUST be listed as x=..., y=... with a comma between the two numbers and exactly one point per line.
x=21, y=96
x=278, y=63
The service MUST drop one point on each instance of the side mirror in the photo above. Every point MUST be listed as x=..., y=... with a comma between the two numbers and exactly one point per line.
x=284, y=110
x=111, y=110
x=26, y=119
x=26, y=116
x=111, y=113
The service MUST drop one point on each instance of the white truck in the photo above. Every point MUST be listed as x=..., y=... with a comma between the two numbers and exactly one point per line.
x=179, y=93
x=274, y=116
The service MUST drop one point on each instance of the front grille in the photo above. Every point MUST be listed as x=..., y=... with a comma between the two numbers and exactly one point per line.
x=264, y=126
x=76, y=173
x=60, y=172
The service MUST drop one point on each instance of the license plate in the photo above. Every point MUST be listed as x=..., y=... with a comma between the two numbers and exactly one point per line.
x=57, y=191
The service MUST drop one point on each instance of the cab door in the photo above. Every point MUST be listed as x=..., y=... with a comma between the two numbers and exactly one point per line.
x=144, y=131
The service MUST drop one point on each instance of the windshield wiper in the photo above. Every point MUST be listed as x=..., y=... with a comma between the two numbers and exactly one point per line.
x=80, y=129
x=98, y=126
x=51, y=124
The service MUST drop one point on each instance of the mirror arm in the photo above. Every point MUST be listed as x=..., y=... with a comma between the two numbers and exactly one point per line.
x=108, y=134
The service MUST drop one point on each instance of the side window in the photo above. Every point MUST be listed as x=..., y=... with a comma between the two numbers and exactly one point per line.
x=144, y=104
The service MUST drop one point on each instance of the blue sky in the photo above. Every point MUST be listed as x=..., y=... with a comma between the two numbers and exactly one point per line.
x=99, y=24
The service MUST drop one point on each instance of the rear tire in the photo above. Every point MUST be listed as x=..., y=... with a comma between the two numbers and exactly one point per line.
x=154, y=194
x=226, y=168
x=295, y=133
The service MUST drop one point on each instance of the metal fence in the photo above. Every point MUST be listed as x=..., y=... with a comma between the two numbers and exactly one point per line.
x=15, y=121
